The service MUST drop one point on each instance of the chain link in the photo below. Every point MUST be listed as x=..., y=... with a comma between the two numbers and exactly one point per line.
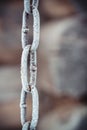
x=28, y=5
x=29, y=53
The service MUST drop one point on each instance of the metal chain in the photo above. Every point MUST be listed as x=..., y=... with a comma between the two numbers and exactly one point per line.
x=29, y=52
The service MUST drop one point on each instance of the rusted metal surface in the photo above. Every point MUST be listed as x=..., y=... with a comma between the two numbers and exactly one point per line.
x=29, y=52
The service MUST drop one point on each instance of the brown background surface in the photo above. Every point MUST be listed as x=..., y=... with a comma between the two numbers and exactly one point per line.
x=52, y=12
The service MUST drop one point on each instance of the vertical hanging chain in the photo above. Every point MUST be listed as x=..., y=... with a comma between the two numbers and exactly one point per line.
x=29, y=53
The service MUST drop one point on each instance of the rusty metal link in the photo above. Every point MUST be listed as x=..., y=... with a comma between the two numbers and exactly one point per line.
x=36, y=29
x=25, y=30
x=35, y=107
x=28, y=84
x=29, y=68
x=29, y=5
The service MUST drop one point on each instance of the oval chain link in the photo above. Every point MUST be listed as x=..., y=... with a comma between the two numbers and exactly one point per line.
x=29, y=53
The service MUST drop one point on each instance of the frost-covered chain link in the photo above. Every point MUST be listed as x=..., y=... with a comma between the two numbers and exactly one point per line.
x=29, y=58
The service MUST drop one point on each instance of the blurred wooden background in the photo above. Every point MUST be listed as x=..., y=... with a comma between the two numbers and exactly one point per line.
x=52, y=13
